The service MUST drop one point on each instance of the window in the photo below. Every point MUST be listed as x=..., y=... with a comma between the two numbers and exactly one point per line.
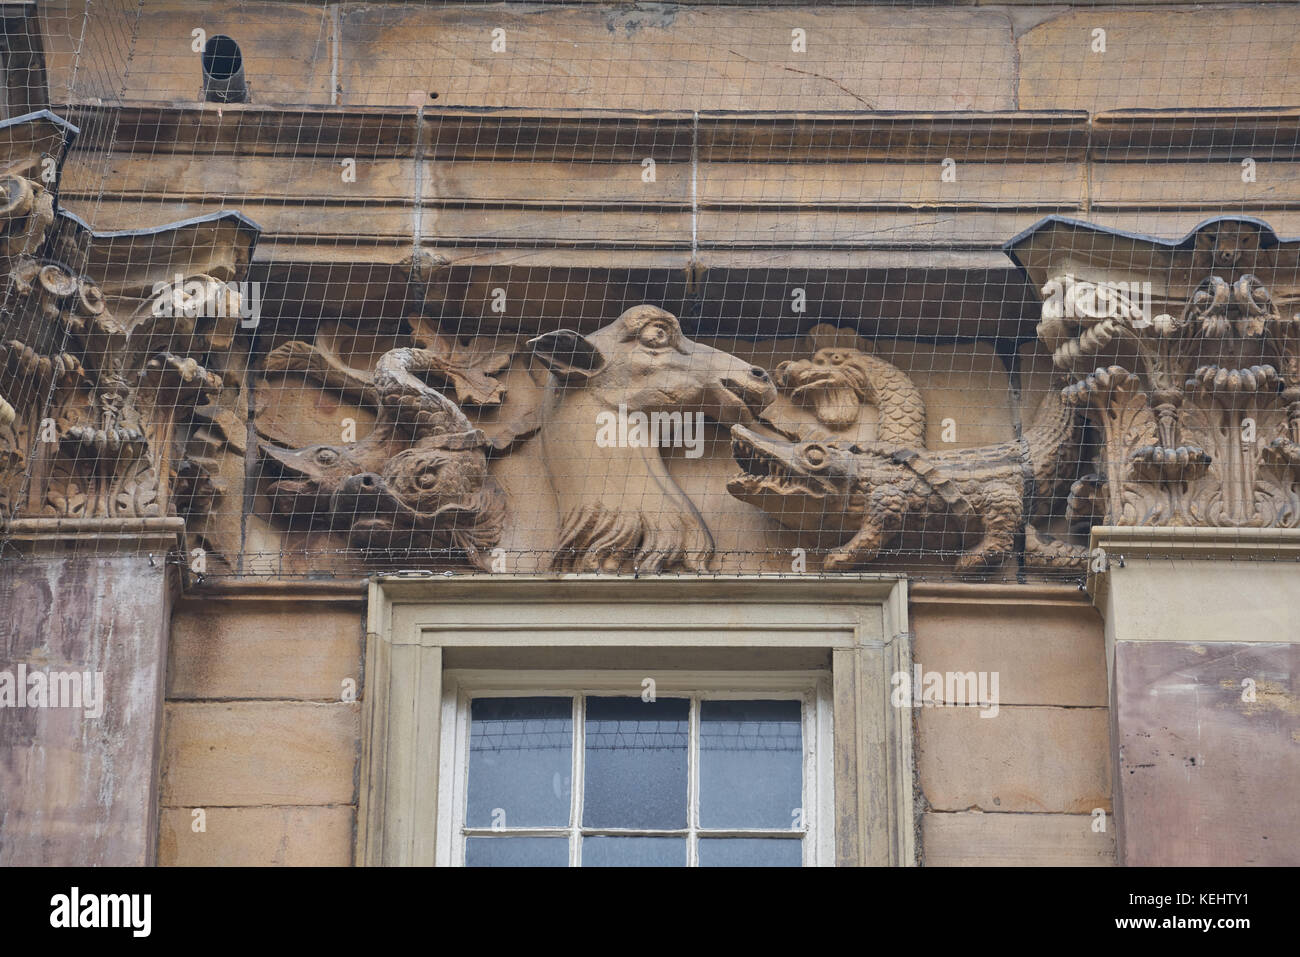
x=620, y=769
x=504, y=721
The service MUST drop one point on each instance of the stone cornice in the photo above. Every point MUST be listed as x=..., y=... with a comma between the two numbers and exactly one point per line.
x=1255, y=544
x=261, y=589
x=995, y=593
x=108, y=535
x=1058, y=244
x=605, y=135
x=578, y=135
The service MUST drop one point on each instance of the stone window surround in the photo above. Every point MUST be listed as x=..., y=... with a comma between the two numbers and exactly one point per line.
x=421, y=626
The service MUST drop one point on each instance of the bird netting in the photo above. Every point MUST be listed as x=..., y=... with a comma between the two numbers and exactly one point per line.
x=325, y=290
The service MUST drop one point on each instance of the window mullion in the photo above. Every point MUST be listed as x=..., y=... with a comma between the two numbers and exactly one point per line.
x=808, y=812
x=462, y=773
x=693, y=783
x=578, y=770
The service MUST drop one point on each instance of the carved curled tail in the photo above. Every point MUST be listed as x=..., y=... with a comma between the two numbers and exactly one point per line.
x=323, y=367
x=408, y=403
x=1055, y=431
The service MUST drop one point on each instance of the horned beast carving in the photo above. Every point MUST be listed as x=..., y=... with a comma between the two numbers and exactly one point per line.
x=619, y=507
x=879, y=489
x=418, y=481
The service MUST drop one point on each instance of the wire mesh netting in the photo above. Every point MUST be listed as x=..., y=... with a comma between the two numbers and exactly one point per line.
x=327, y=290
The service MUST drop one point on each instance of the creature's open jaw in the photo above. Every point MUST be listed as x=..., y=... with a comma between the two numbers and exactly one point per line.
x=767, y=467
x=279, y=463
x=292, y=491
x=744, y=400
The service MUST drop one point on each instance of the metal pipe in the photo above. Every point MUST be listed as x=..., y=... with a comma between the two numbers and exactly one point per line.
x=223, y=71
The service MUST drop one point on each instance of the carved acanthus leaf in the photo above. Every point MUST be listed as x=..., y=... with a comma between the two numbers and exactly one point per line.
x=470, y=365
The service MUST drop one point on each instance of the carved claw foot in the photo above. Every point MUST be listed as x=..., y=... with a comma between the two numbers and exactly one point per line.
x=115, y=441
x=859, y=550
x=981, y=561
x=1044, y=552
x=180, y=373
x=1085, y=504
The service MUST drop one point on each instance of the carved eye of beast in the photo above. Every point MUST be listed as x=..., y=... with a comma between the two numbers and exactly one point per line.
x=428, y=476
x=814, y=457
x=657, y=334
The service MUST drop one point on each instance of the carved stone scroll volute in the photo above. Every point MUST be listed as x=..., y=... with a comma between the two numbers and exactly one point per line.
x=26, y=214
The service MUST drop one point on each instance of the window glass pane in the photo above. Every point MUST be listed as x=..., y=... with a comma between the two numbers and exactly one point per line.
x=636, y=757
x=517, y=852
x=750, y=852
x=634, y=852
x=520, y=762
x=751, y=764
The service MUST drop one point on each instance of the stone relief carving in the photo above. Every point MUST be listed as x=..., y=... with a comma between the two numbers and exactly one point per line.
x=620, y=509
x=101, y=398
x=876, y=491
x=417, y=482
x=26, y=215
x=111, y=409
x=837, y=380
x=102, y=386
x=467, y=365
x=1195, y=385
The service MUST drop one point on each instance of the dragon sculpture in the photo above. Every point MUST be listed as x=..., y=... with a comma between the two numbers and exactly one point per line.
x=419, y=481
x=880, y=489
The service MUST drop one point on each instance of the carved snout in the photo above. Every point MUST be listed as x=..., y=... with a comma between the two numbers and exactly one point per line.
x=754, y=389
x=364, y=487
x=278, y=461
x=367, y=483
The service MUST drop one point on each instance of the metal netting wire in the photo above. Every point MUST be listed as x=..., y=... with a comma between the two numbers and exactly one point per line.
x=418, y=346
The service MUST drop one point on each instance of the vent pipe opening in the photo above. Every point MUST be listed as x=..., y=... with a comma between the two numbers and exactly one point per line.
x=223, y=71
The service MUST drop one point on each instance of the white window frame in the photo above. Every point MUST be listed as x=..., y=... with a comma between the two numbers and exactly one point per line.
x=419, y=627
x=811, y=688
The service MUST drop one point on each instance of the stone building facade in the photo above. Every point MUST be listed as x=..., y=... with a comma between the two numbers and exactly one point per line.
x=327, y=328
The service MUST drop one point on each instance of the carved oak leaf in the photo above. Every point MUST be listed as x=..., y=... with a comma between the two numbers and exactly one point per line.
x=469, y=367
